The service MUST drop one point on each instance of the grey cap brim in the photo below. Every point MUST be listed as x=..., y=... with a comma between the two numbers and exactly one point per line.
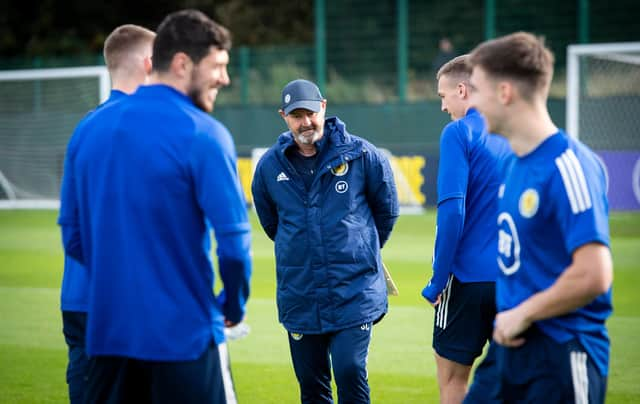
x=311, y=105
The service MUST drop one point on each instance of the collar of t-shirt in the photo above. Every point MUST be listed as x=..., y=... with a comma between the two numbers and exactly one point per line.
x=305, y=166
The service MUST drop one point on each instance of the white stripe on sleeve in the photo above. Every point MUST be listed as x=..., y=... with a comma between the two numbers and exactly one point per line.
x=582, y=181
x=574, y=181
x=573, y=177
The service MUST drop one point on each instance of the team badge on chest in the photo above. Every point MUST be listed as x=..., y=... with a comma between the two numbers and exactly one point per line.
x=529, y=202
x=340, y=170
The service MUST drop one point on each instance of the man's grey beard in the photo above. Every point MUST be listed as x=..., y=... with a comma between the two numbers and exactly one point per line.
x=308, y=139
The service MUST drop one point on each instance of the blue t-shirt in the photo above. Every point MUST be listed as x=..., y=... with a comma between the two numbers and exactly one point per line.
x=75, y=282
x=305, y=166
x=470, y=169
x=145, y=180
x=554, y=201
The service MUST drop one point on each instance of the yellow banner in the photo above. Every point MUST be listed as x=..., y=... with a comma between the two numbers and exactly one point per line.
x=407, y=172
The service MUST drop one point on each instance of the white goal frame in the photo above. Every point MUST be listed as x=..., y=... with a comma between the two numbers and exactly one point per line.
x=104, y=81
x=611, y=51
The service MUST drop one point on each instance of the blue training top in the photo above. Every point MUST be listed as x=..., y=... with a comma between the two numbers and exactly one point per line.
x=144, y=179
x=554, y=201
x=74, y=293
x=469, y=175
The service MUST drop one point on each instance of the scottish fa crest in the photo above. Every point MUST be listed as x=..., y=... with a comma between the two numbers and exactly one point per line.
x=529, y=202
x=340, y=170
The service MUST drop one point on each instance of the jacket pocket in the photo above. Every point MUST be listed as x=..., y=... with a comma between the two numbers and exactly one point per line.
x=368, y=252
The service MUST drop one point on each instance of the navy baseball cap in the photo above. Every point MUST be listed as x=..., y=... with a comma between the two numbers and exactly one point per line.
x=301, y=94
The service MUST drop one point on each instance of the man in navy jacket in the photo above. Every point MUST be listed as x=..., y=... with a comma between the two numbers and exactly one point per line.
x=328, y=200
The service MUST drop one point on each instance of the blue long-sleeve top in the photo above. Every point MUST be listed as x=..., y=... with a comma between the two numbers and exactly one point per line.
x=145, y=182
x=469, y=175
x=74, y=293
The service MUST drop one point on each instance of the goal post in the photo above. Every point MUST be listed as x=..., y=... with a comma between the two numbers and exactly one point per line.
x=39, y=109
x=603, y=110
x=607, y=71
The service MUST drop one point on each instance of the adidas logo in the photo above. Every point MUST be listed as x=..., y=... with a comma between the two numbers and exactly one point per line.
x=282, y=177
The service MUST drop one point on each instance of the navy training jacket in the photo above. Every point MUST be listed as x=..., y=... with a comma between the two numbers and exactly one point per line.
x=328, y=239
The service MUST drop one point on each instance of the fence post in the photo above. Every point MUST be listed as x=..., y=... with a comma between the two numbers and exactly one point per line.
x=583, y=21
x=321, y=44
x=244, y=74
x=489, y=19
x=403, y=47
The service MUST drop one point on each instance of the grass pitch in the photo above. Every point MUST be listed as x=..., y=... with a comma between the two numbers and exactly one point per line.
x=401, y=365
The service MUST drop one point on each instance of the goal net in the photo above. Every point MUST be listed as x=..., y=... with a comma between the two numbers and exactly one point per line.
x=603, y=95
x=39, y=109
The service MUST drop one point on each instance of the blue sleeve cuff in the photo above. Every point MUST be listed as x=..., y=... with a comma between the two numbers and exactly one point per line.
x=435, y=286
x=450, y=223
x=235, y=274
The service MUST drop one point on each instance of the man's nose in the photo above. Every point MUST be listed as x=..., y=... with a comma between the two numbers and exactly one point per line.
x=225, y=80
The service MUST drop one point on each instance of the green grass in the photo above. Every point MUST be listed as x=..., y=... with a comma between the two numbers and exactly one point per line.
x=401, y=366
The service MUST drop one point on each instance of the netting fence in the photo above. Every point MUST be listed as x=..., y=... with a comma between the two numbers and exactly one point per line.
x=384, y=51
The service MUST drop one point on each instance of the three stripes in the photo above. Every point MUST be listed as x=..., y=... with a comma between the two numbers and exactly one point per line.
x=443, y=308
x=574, y=181
x=579, y=377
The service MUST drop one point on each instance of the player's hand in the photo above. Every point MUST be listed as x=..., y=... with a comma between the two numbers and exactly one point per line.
x=508, y=326
x=228, y=323
x=428, y=292
x=237, y=331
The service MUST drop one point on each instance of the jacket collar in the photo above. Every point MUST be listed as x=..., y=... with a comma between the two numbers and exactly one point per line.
x=335, y=133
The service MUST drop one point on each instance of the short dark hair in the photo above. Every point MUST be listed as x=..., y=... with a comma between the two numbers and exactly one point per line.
x=122, y=42
x=457, y=67
x=189, y=31
x=520, y=56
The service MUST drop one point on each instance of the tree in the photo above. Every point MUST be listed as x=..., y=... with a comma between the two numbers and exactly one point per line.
x=52, y=28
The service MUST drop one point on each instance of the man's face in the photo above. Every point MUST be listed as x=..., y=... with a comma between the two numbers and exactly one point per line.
x=207, y=77
x=451, y=97
x=306, y=126
x=483, y=95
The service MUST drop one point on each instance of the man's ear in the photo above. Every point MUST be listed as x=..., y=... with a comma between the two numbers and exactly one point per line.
x=324, y=105
x=462, y=90
x=148, y=65
x=506, y=91
x=181, y=65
